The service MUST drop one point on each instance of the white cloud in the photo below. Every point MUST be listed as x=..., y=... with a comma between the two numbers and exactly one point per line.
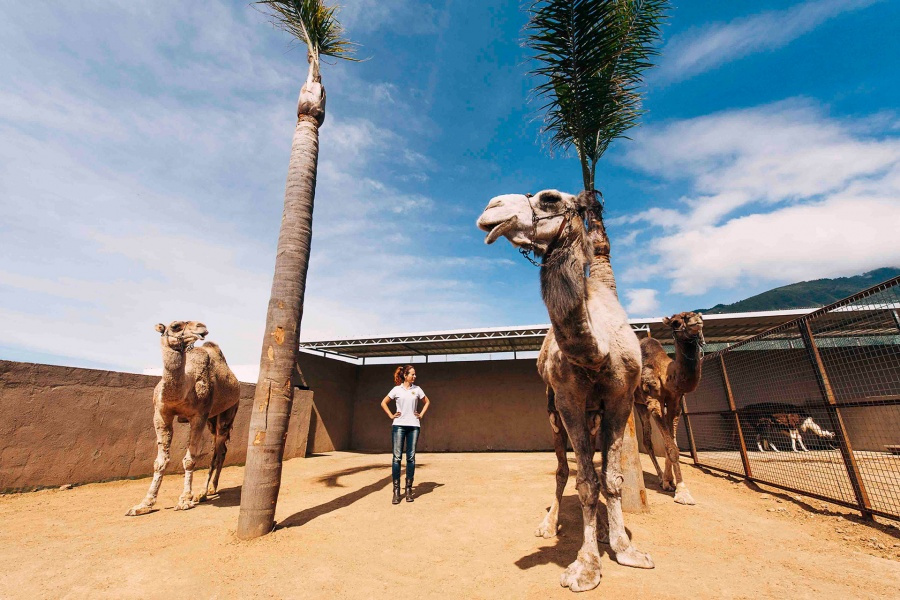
x=403, y=16
x=141, y=180
x=705, y=48
x=780, y=193
x=642, y=302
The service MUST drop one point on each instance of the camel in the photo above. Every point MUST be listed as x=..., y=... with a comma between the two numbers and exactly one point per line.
x=590, y=359
x=198, y=388
x=664, y=382
x=770, y=418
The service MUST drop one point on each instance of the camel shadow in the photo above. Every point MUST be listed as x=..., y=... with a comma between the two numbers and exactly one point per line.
x=568, y=539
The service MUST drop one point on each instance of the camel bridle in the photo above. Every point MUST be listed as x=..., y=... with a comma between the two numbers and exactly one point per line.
x=564, y=224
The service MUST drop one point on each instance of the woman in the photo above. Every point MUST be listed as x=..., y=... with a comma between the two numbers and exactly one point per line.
x=406, y=421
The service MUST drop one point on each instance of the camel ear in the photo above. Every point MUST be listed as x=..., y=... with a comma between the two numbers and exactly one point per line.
x=666, y=320
x=160, y=328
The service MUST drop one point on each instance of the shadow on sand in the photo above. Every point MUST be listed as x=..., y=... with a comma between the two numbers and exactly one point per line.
x=568, y=540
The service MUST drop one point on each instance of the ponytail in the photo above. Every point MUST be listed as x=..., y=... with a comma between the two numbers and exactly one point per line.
x=400, y=373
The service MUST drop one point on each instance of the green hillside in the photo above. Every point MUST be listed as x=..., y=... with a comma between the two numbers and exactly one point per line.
x=807, y=294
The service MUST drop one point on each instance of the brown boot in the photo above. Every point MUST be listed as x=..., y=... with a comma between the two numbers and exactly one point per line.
x=396, y=499
x=409, y=490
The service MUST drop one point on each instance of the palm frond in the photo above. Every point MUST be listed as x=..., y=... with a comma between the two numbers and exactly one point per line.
x=315, y=24
x=591, y=55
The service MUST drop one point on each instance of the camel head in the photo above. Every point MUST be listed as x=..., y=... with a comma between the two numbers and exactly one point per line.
x=180, y=336
x=534, y=222
x=686, y=326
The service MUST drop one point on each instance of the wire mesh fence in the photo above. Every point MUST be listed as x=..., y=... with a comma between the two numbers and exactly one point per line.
x=811, y=406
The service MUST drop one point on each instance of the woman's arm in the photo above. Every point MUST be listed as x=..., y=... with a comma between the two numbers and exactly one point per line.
x=425, y=404
x=384, y=405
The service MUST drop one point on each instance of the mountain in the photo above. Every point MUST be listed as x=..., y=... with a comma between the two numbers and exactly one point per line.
x=807, y=294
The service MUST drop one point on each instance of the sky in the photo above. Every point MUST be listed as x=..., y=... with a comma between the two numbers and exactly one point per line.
x=144, y=150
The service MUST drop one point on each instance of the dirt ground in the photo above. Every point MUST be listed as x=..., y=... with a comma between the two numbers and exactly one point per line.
x=468, y=535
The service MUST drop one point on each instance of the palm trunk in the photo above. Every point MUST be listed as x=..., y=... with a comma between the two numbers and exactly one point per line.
x=278, y=370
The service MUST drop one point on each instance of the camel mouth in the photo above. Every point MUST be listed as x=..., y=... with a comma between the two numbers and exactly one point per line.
x=496, y=230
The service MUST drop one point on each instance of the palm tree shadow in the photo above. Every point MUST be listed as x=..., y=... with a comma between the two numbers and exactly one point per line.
x=331, y=480
x=568, y=540
x=225, y=497
x=308, y=514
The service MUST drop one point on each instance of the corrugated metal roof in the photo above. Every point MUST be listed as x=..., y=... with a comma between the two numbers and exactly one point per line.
x=717, y=329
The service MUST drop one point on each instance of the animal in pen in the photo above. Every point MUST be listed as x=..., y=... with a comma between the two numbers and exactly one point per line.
x=776, y=419
x=197, y=387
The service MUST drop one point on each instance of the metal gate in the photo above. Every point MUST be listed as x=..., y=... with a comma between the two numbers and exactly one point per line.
x=831, y=381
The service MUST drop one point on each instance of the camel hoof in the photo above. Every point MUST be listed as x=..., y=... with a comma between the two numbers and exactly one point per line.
x=582, y=575
x=667, y=486
x=140, y=509
x=198, y=498
x=684, y=497
x=185, y=504
x=634, y=558
x=546, y=530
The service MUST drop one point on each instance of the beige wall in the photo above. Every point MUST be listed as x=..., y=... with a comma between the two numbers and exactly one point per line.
x=476, y=406
x=65, y=425
x=333, y=383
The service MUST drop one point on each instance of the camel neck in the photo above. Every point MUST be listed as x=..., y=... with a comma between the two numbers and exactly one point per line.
x=687, y=364
x=565, y=295
x=173, y=365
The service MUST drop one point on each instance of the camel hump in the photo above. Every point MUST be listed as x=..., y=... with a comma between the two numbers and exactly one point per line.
x=214, y=350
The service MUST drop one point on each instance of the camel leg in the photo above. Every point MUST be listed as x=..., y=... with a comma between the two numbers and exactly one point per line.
x=584, y=573
x=612, y=431
x=800, y=441
x=643, y=413
x=223, y=424
x=667, y=483
x=163, y=425
x=759, y=442
x=673, y=457
x=186, y=500
x=548, y=526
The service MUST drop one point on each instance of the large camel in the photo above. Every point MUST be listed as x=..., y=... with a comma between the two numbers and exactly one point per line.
x=590, y=359
x=197, y=387
x=664, y=382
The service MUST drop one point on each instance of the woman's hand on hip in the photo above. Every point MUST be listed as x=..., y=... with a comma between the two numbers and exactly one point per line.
x=396, y=415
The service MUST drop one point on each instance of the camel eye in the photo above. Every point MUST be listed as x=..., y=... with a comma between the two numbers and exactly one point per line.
x=676, y=324
x=176, y=326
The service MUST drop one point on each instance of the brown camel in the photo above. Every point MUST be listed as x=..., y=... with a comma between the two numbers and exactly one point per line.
x=590, y=359
x=664, y=382
x=197, y=387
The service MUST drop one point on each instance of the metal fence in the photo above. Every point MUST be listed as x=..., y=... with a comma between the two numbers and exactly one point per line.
x=826, y=384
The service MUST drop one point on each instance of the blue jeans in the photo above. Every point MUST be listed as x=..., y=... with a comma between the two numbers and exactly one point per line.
x=409, y=435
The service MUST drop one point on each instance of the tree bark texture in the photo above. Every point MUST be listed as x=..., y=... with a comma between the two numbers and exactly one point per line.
x=278, y=364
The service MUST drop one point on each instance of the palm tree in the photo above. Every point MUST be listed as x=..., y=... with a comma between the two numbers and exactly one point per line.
x=591, y=55
x=316, y=25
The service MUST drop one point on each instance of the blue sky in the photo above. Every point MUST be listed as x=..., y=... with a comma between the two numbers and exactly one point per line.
x=144, y=149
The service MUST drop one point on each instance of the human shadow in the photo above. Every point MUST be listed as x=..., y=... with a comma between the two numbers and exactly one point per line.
x=306, y=515
x=426, y=487
x=569, y=537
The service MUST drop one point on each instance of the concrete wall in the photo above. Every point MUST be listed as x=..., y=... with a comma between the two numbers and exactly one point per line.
x=333, y=383
x=65, y=425
x=476, y=406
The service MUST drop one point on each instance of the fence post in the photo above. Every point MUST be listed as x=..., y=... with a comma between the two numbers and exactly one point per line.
x=837, y=422
x=737, y=421
x=689, y=431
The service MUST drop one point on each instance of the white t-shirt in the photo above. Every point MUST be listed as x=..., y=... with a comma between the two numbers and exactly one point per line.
x=407, y=404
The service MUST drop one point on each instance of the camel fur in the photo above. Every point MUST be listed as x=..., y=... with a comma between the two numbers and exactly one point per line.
x=590, y=360
x=197, y=387
x=664, y=382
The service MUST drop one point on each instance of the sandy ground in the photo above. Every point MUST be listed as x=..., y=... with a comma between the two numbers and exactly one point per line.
x=468, y=535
